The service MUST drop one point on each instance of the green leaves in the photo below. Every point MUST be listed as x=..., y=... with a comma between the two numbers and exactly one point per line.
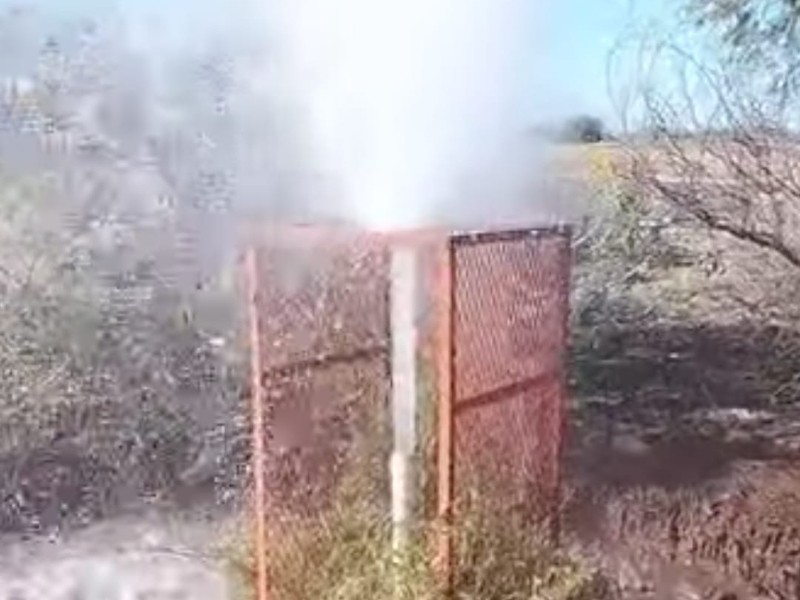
x=761, y=35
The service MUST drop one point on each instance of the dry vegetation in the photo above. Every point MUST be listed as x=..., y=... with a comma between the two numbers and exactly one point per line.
x=684, y=352
x=685, y=346
x=336, y=541
x=682, y=481
x=345, y=551
x=684, y=355
x=102, y=380
x=114, y=330
x=685, y=426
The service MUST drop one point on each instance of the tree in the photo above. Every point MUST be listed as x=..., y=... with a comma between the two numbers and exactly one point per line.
x=748, y=23
x=761, y=35
x=726, y=153
x=583, y=128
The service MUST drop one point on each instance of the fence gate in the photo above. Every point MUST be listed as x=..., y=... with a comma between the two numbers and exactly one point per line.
x=320, y=340
x=320, y=374
x=503, y=321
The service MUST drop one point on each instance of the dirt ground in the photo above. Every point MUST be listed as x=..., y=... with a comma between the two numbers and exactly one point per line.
x=683, y=458
x=684, y=439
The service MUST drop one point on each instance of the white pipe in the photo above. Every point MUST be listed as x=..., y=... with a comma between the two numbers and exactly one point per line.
x=404, y=391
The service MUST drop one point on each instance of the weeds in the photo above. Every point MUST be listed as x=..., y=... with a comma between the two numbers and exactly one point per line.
x=346, y=554
x=503, y=557
x=345, y=551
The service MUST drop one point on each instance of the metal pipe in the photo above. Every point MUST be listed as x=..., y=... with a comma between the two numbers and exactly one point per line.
x=404, y=391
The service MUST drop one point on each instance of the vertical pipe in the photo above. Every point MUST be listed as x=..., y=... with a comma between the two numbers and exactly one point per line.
x=404, y=390
x=445, y=381
x=257, y=411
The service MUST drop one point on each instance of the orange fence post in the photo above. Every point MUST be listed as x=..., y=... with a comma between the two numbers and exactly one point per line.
x=257, y=409
x=566, y=269
x=446, y=447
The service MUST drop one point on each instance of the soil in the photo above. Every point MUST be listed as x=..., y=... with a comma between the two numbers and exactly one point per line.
x=683, y=458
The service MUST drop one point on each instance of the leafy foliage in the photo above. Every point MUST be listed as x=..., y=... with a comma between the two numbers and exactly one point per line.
x=762, y=34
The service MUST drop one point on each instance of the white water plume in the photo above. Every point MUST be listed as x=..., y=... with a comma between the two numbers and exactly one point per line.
x=402, y=99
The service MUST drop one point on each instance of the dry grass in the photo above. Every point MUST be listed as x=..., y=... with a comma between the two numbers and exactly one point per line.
x=345, y=551
x=347, y=554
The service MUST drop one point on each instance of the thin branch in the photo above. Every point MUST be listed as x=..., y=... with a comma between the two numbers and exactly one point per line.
x=762, y=239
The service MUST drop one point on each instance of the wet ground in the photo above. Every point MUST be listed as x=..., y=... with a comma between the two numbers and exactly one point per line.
x=147, y=555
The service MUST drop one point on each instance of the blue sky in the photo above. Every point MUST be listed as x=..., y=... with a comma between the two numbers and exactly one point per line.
x=568, y=65
x=571, y=76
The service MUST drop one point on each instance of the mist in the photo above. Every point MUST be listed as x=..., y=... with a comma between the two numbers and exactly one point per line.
x=186, y=121
x=404, y=100
x=138, y=140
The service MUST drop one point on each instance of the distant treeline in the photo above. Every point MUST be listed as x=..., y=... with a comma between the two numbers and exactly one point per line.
x=586, y=129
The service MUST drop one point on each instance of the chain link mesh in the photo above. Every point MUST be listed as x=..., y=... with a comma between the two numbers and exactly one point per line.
x=322, y=300
x=510, y=302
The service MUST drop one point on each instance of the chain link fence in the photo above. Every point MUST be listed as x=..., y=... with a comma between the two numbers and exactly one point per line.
x=492, y=317
x=320, y=319
x=510, y=301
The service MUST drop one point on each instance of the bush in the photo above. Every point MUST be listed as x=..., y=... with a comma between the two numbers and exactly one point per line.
x=583, y=129
x=92, y=356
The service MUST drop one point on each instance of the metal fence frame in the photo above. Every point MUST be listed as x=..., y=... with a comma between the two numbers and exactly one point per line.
x=450, y=405
x=445, y=249
x=283, y=238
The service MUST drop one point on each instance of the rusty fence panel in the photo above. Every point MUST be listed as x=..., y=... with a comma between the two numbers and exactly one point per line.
x=319, y=321
x=505, y=392
x=493, y=324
